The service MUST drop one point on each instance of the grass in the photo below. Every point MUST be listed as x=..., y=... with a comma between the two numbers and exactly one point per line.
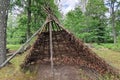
x=111, y=46
x=16, y=46
x=13, y=47
x=110, y=52
x=112, y=57
x=13, y=72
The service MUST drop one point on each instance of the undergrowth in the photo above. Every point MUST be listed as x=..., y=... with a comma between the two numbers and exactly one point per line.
x=111, y=46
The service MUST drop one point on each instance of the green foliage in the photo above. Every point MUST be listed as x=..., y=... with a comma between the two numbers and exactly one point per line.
x=16, y=34
x=74, y=21
x=96, y=20
x=114, y=47
x=118, y=23
x=91, y=25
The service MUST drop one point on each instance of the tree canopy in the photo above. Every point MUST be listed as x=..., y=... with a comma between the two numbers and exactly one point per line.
x=93, y=25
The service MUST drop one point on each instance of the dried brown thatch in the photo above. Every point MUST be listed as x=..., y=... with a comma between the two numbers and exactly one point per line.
x=67, y=50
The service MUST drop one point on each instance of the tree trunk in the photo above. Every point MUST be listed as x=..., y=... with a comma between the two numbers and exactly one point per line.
x=29, y=19
x=113, y=21
x=3, y=24
x=83, y=4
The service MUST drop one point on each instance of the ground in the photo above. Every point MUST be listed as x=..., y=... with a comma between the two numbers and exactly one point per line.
x=12, y=71
x=112, y=57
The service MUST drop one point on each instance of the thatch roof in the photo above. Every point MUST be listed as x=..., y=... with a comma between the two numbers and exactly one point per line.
x=66, y=50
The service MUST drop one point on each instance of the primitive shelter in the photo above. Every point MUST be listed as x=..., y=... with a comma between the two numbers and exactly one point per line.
x=56, y=46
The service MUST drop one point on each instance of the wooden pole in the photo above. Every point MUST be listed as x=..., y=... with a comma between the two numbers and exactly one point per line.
x=21, y=49
x=51, y=50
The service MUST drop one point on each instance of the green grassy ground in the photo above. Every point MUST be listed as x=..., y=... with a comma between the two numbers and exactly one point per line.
x=110, y=52
x=112, y=57
x=12, y=72
x=13, y=47
x=111, y=46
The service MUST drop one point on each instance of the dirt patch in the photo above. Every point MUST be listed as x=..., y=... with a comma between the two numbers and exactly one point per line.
x=62, y=73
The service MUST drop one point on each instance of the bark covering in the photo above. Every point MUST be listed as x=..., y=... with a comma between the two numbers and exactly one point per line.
x=3, y=24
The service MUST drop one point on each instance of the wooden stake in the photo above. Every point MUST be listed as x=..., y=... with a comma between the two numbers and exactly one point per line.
x=51, y=50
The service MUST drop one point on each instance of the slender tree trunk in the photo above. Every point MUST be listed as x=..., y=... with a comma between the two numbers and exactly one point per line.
x=29, y=19
x=3, y=24
x=83, y=5
x=113, y=21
